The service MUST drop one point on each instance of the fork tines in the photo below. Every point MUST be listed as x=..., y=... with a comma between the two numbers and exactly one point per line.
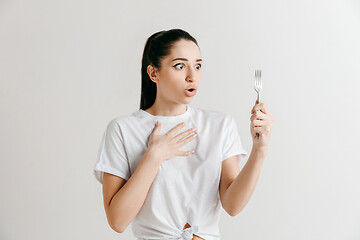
x=258, y=73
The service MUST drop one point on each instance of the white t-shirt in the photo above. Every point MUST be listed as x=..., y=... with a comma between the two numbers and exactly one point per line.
x=186, y=188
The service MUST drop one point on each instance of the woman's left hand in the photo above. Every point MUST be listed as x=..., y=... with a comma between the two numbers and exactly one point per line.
x=261, y=122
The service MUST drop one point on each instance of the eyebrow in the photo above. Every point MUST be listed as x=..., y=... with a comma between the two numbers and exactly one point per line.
x=185, y=59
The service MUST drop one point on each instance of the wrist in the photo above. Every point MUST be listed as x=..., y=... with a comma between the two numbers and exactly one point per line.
x=153, y=155
x=260, y=150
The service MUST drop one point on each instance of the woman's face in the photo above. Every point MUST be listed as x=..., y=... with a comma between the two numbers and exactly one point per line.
x=179, y=71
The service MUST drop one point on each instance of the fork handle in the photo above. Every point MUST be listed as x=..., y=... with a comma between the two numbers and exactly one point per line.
x=257, y=102
x=258, y=98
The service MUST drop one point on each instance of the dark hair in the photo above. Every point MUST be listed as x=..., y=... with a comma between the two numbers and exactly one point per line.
x=156, y=48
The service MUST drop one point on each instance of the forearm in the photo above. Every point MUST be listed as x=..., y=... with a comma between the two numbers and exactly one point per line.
x=241, y=189
x=128, y=201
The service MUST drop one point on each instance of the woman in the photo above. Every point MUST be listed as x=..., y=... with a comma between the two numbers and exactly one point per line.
x=156, y=173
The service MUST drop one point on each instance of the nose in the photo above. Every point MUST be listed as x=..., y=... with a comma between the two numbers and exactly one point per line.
x=191, y=75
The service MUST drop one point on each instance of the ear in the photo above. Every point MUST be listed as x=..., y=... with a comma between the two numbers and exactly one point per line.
x=152, y=72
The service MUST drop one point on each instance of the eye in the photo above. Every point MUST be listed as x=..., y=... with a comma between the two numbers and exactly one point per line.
x=178, y=65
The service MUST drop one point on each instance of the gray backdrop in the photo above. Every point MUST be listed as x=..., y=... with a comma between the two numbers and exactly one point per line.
x=68, y=67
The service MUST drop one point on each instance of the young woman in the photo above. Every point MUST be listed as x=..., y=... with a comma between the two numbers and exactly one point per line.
x=156, y=173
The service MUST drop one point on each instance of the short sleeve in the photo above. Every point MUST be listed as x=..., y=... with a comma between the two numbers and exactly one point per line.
x=232, y=143
x=111, y=156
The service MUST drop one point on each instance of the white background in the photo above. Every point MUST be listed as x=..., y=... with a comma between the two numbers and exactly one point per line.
x=68, y=67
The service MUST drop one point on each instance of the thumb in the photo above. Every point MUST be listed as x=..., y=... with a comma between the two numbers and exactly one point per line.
x=157, y=128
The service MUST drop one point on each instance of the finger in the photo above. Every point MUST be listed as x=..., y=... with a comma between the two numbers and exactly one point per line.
x=185, y=153
x=259, y=115
x=262, y=129
x=186, y=140
x=263, y=108
x=256, y=107
x=184, y=134
x=258, y=129
x=157, y=128
x=258, y=123
x=259, y=107
x=175, y=129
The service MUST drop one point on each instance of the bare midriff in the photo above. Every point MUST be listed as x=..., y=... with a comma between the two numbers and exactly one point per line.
x=187, y=225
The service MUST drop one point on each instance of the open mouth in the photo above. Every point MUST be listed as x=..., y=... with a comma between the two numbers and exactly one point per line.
x=190, y=92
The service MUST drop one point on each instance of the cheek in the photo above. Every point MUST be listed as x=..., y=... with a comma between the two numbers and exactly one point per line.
x=171, y=87
x=176, y=82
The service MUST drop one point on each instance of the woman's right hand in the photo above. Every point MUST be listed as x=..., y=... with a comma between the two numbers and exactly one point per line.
x=166, y=146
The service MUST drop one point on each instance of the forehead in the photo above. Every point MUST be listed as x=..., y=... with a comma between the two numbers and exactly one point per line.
x=185, y=49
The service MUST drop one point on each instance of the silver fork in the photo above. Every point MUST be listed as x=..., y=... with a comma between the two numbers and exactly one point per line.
x=258, y=87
